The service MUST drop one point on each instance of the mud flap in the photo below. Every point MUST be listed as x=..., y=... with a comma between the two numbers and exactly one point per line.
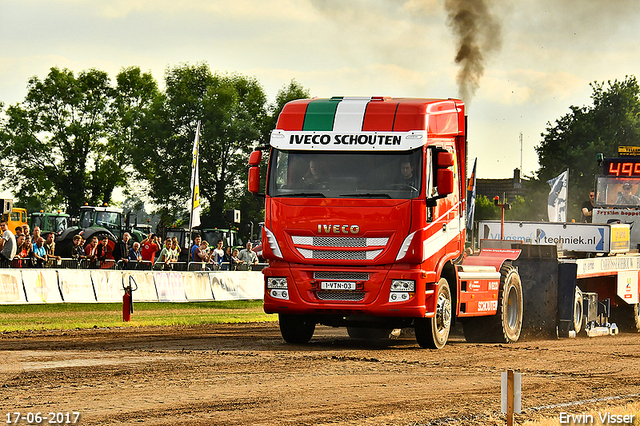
x=567, y=273
x=538, y=268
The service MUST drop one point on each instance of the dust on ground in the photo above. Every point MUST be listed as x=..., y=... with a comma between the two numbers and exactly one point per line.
x=245, y=374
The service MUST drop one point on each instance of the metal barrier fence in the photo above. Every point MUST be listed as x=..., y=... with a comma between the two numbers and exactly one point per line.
x=140, y=265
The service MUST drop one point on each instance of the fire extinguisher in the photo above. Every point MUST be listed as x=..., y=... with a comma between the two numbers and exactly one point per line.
x=127, y=299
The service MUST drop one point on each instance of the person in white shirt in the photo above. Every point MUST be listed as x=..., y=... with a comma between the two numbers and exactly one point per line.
x=218, y=254
x=248, y=256
x=7, y=243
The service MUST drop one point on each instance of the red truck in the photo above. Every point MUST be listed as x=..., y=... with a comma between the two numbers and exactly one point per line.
x=365, y=224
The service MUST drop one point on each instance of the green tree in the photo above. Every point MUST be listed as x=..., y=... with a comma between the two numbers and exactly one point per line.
x=487, y=210
x=135, y=93
x=232, y=110
x=574, y=140
x=61, y=144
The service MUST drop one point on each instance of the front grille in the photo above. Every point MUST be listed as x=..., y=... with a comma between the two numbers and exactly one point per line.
x=346, y=242
x=338, y=275
x=339, y=254
x=351, y=296
x=339, y=248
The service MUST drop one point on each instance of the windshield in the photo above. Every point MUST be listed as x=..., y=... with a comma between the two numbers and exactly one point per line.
x=86, y=218
x=395, y=175
x=617, y=192
x=59, y=224
x=38, y=221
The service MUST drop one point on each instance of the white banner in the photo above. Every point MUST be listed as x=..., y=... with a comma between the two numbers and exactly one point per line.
x=238, y=285
x=197, y=286
x=76, y=285
x=579, y=237
x=170, y=286
x=41, y=285
x=146, y=291
x=108, y=285
x=11, y=290
x=83, y=286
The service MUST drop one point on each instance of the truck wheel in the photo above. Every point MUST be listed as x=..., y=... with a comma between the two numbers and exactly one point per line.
x=296, y=328
x=578, y=311
x=510, y=306
x=433, y=332
x=369, y=333
x=626, y=317
x=505, y=326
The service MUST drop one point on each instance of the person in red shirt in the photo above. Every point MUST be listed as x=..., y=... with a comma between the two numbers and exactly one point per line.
x=91, y=252
x=149, y=247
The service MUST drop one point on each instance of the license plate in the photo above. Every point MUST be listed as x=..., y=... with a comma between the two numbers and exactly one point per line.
x=337, y=285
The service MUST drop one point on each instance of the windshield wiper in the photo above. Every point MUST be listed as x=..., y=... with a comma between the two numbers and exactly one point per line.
x=304, y=194
x=367, y=195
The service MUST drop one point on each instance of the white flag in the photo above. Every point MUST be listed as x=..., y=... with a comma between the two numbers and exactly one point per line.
x=194, y=209
x=557, y=204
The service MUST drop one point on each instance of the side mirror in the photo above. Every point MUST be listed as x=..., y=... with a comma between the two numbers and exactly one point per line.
x=255, y=158
x=254, y=179
x=445, y=182
x=445, y=159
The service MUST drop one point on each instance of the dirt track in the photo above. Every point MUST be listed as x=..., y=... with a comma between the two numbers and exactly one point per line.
x=246, y=374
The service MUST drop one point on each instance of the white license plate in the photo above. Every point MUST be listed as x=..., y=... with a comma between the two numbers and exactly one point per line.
x=337, y=285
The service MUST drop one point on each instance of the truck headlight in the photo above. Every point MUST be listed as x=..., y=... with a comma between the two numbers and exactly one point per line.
x=399, y=296
x=277, y=288
x=402, y=290
x=279, y=283
x=403, y=285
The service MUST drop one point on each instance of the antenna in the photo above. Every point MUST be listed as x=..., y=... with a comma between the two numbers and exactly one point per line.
x=520, y=151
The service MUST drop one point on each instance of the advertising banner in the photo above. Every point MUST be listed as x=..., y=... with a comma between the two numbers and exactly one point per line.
x=11, y=289
x=197, y=286
x=41, y=285
x=579, y=237
x=627, y=286
x=146, y=291
x=108, y=285
x=630, y=217
x=76, y=285
x=237, y=285
x=170, y=286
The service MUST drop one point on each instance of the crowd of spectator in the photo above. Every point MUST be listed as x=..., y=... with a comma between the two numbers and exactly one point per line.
x=220, y=258
x=25, y=250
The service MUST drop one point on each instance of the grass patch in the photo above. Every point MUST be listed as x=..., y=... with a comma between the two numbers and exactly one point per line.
x=65, y=316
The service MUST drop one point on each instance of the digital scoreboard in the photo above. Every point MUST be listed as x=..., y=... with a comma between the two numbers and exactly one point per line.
x=623, y=166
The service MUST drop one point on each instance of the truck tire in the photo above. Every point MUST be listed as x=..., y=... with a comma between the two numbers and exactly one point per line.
x=433, y=333
x=296, y=328
x=626, y=317
x=505, y=326
x=578, y=312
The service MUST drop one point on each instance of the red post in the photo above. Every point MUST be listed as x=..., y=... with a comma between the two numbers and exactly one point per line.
x=503, y=207
x=126, y=306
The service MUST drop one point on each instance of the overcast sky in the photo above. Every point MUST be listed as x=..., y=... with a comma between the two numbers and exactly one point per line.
x=538, y=58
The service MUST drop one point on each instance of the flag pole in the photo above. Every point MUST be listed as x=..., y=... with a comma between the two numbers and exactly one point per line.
x=194, y=184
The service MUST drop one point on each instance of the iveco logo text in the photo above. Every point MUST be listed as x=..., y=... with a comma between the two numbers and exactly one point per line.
x=355, y=139
x=338, y=229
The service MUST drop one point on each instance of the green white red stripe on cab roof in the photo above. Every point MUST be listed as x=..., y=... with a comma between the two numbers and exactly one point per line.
x=350, y=123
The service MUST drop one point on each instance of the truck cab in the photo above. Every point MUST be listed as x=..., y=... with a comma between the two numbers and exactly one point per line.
x=55, y=222
x=98, y=222
x=365, y=216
